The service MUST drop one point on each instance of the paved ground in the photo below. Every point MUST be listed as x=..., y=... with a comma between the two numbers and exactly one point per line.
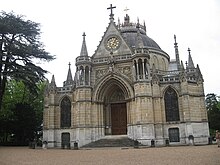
x=189, y=155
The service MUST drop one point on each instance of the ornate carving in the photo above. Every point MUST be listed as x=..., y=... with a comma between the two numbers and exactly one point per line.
x=100, y=73
x=126, y=71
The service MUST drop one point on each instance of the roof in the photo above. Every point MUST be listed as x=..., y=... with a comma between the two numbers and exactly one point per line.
x=129, y=33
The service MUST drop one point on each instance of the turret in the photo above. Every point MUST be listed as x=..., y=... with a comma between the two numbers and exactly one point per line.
x=69, y=79
x=83, y=66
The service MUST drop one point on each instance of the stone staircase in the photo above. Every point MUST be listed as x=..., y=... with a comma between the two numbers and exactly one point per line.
x=111, y=141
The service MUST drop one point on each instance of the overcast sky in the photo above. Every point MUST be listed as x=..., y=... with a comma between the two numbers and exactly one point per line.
x=196, y=24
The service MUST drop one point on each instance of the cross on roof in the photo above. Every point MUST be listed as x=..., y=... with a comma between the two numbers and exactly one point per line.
x=126, y=9
x=111, y=8
x=189, y=50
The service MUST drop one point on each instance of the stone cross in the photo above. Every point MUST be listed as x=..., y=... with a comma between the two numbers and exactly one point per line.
x=111, y=8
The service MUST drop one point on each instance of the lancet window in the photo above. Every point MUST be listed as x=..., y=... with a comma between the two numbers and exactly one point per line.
x=83, y=75
x=65, y=114
x=141, y=69
x=171, y=105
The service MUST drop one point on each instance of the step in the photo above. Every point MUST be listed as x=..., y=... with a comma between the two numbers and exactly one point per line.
x=111, y=141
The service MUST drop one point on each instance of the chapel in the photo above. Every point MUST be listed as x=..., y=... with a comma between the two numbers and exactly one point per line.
x=130, y=87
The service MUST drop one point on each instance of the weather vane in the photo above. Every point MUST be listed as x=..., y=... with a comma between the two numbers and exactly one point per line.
x=126, y=9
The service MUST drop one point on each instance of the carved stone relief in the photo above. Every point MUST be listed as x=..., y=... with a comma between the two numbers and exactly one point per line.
x=126, y=71
x=100, y=73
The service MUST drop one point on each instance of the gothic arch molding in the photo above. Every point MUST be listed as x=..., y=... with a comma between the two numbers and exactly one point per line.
x=107, y=83
x=170, y=86
x=65, y=112
x=171, y=103
x=61, y=98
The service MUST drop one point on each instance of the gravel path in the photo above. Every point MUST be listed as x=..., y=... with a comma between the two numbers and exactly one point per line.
x=189, y=155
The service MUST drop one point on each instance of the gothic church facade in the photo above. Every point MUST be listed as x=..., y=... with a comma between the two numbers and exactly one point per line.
x=129, y=86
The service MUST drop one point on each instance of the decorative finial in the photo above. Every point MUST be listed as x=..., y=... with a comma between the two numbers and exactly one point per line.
x=189, y=51
x=84, y=35
x=176, y=52
x=69, y=64
x=138, y=24
x=175, y=39
x=119, y=24
x=111, y=8
x=145, y=29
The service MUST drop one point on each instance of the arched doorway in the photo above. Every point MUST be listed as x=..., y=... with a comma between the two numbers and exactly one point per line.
x=115, y=111
x=113, y=94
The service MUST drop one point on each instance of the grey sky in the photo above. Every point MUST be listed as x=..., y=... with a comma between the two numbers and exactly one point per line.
x=196, y=24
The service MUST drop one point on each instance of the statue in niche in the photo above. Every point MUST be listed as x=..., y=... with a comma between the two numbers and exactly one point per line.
x=111, y=63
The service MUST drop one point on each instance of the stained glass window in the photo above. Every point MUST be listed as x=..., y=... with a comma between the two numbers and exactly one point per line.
x=65, y=112
x=171, y=105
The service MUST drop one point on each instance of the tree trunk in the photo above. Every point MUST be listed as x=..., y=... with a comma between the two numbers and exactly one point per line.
x=2, y=90
x=4, y=69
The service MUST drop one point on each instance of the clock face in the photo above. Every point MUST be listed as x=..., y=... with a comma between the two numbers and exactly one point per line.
x=112, y=43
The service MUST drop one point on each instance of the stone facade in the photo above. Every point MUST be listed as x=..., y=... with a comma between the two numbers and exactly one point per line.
x=129, y=86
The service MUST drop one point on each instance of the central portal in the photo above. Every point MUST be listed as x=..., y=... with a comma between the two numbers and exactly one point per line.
x=119, y=118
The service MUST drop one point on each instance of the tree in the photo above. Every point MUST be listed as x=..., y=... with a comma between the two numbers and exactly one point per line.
x=213, y=107
x=20, y=47
x=22, y=113
x=24, y=123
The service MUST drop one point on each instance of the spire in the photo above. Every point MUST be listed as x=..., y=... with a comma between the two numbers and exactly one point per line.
x=111, y=14
x=69, y=75
x=199, y=74
x=53, y=83
x=198, y=69
x=138, y=24
x=145, y=29
x=190, y=63
x=176, y=52
x=119, y=24
x=69, y=79
x=182, y=66
x=84, y=48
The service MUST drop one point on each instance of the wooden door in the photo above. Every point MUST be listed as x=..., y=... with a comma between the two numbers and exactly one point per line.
x=119, y=119
x=65, y=140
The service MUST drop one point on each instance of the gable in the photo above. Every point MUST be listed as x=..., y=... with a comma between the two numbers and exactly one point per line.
x=104, y=51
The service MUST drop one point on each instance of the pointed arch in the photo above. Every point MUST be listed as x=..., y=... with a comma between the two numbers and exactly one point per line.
x=171, y=105
x=163, y=66
x=87, y=75
x=140, y=69
x=65, y=112
x=108, y=83
x=81, y=75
